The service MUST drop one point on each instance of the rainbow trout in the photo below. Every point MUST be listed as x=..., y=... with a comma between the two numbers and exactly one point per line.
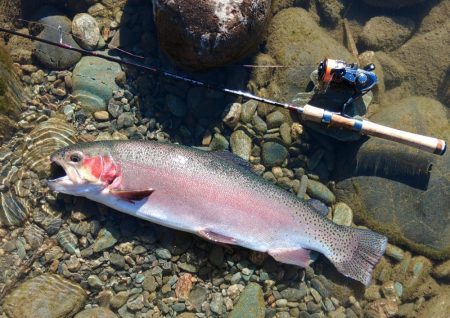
x=216, y=196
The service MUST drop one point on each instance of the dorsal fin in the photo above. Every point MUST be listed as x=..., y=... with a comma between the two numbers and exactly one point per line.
x=232, y=158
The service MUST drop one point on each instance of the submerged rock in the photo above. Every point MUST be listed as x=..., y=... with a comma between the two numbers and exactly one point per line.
x=54, y=57
x=273, y=154
x=429, y=73
x=387, y=186
x=94, y=82
x=209, y=33
x=297, y=41
x=99, y=312
x=250, y=304
x=46, y=295
x=241, y=144
x=86, y=31
x=386, y=33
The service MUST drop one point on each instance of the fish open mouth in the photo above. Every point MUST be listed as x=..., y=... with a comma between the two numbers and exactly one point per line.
x=56, y=171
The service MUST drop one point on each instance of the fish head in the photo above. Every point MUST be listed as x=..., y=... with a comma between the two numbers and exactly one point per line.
x=89, y=169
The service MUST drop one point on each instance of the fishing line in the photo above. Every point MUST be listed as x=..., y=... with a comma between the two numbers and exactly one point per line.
x=309, y=112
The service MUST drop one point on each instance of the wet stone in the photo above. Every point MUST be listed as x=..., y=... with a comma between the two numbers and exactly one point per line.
x=259, y=124
x=163, y=253
x=275, y=119
x=136, y=303
x=248, y=110
x=117, y=260
x=395, y=252
x=86, y=31
x=319, y=191
x=198, y=296
x=219, y=142
x=294, y=294
x=232, y=115
x=98, y=312
x=105, y=240
x=114, y=108
x=216, y=304
x=46, y=295
x=94, y=281
x=285, y=132
x=125, y=120
x=241, y=144
x=101, y=115
x=342, y=214
x=317, y=284
x=187, y=267
x=119, y=299
x=273, y=154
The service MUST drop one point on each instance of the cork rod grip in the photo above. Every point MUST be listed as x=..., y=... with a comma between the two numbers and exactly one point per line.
x=430, y=144
x=365, y=127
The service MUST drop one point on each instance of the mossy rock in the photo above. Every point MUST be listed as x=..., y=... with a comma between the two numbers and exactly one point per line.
x=387, y=186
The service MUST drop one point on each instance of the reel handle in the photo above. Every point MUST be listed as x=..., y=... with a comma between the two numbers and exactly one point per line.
x=365, y=127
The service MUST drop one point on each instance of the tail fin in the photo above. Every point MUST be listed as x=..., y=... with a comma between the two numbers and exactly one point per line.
x=364, y=253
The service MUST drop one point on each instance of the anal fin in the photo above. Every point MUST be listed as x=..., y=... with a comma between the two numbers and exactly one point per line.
x=297, y=256
x=132, y=195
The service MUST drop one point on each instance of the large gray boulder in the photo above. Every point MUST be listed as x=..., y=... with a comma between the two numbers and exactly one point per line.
x=387, y=186
x=51, y=56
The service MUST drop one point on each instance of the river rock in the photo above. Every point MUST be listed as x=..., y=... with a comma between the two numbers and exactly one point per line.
x=436, y=17
x=386, y=33
x=250, y=304
x=392, y=4
x=390, y=194
x=394, y=72
x=241, y=144
x=342, y=214
x=429, y=72
x=296, y=40
x=46, y=295
x=51, y=56
x=99, y=312
x=208, y=33
x=94, y=82
x=321, y=192
x=273, y=154
x=86, y=31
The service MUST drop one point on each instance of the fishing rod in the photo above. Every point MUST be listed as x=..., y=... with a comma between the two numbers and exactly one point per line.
x=308, y=112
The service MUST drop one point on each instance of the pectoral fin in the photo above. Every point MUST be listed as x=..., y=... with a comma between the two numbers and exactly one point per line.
x=298, y=256
x=132, y=195
x=215, y=237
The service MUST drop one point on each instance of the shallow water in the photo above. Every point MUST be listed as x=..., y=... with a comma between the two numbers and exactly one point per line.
x=113, y=265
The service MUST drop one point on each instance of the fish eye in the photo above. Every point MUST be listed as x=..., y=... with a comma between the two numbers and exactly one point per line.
x=75, y=157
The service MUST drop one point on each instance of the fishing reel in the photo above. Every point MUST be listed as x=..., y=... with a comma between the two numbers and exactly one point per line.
x=337, y=71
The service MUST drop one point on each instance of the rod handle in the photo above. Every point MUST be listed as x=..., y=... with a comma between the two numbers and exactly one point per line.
x=365, y=127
